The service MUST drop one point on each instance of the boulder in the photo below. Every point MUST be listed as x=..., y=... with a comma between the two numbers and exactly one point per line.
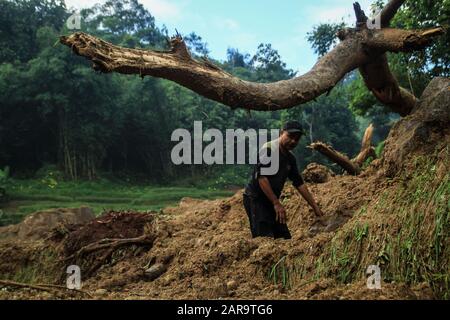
x=317, y=173
x=422, y=130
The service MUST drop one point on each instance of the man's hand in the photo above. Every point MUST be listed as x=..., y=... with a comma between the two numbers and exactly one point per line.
x=280, y=212
x=309, y=198
x=279, y=209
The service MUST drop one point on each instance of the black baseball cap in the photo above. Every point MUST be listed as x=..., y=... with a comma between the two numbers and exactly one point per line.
x=293, y=127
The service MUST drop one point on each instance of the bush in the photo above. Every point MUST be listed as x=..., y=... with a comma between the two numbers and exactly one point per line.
x=4, y=175
x=379, y=149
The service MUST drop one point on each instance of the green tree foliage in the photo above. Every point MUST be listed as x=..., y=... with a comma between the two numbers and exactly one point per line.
x=196, y=45
x=268, y=65
x=19, y=21
x=323, y=37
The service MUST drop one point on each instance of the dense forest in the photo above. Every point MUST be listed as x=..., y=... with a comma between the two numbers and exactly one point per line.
x=55, y=112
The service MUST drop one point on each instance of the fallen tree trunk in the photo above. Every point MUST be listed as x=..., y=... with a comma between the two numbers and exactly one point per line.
x=361, y=48
x=336, y=157
x=367, y=150
x=353, y=166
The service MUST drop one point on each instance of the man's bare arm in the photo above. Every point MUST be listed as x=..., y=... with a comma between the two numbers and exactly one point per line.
x=303, y=189
x=279, y=209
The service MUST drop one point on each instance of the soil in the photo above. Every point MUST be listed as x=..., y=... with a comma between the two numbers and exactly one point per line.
x=203, y=249
x=317, y=173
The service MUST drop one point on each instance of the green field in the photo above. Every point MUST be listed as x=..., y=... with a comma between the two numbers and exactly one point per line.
x=27, y=196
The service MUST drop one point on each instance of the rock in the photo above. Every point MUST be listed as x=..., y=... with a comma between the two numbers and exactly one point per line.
x=37, y=225
x=232, y=285
x=101, y=292
x=317, y=173
x=429, y=121
x=155, y=271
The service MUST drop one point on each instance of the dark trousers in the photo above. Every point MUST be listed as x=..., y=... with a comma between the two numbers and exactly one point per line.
x=262, y=218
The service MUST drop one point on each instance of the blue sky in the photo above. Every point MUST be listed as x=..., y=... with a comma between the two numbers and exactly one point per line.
x=244, y=24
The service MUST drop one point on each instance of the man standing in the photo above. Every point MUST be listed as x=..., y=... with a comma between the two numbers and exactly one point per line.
x=266, y=214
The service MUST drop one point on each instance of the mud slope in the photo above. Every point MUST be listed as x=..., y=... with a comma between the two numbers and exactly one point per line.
x=395, y=215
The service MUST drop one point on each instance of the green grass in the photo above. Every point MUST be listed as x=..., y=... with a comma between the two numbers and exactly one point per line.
x=27, y=196
x=280, y=273
x=411, y=242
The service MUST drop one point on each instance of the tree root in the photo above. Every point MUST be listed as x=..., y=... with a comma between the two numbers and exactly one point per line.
x=353, y=166
x=42, y=287
x=112, y=244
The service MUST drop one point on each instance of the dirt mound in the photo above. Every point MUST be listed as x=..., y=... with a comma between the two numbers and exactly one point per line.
x=422, y=130
x=99, y=242
x=38, y=225
x=111, y=225
x=317, y=173
x=203, y=249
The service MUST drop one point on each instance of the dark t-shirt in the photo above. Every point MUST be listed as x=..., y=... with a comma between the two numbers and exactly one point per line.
x=287, y=169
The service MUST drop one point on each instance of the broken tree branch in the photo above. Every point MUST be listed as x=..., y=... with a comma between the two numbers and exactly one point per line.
x=336, y=157
x=41, y=287
x=376, y=73
x=366, y=148
x=357, y=50
x=353, y=166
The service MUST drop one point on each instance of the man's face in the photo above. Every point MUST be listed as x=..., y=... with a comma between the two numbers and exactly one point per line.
x=289, y=140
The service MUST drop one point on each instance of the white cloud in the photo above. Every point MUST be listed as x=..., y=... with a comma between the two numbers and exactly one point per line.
x=296, y=44
x=163, y=10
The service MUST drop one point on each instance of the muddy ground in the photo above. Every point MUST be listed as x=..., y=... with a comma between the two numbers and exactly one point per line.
x=203, y=249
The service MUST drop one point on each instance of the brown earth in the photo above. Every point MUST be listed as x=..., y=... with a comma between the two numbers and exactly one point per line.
x=37, y=225
x=203, y=249
x=317, y=173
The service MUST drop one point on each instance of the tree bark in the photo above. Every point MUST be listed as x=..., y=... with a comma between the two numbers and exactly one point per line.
x=336, y=157
x=367, y=150
x=353, y=166
x=361, y=48
x=376, y=73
